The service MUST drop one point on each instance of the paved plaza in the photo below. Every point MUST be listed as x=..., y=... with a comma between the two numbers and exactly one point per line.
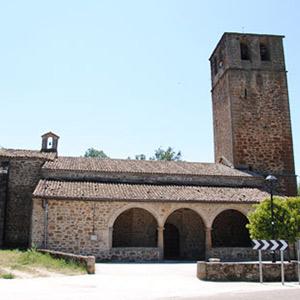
x=142, y=281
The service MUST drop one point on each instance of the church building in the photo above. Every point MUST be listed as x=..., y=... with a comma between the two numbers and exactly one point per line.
x=118, y=209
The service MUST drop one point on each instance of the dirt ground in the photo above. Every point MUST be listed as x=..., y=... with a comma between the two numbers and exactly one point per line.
x=114, y=281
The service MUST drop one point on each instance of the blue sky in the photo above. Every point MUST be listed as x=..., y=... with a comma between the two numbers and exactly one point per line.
x=126, y=76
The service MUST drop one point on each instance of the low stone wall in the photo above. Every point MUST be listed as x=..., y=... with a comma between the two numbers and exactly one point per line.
x=135, y=254
x=236, y=254
x=87, y=261
x=246, y=271
x=233, y=254
x=130, y=254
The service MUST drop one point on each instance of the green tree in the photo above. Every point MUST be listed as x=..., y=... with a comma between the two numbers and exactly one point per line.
x=92, y=152
x=140, y=157
x=293, y=204
x=169, y=154
x=299, y=189
x=286, y=219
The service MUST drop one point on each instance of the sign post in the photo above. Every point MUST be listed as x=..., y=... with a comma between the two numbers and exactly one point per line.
x=282, y=267
x=260, y=267
x=273, y=245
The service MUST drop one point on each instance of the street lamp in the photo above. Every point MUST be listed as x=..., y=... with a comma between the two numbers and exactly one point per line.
x=272, y=180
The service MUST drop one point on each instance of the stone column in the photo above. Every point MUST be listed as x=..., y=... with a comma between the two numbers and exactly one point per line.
x=110, y=237
x=208, y=241
x=160, y=241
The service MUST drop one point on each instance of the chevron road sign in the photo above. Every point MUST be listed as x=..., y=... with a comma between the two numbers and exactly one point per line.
x=269, y=245
x=272, y=245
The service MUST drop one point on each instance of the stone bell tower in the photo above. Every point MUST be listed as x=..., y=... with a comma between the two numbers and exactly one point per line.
x=252, y=126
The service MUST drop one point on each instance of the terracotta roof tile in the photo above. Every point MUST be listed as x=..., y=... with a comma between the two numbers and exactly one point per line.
x=143, y=192
x=142, y=166
x=26, y=154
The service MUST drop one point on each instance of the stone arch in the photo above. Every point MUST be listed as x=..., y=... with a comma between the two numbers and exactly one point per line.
x=229, y=229
x=135, y=227
x=243, y=210
x=116, y=214
x=202, y=217
x=184, y=235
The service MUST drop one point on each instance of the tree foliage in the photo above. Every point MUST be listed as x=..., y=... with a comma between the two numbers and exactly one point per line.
x=169, y=154
x=286, y=219
x=159, y=154
x=140, y=157
x=92, y=152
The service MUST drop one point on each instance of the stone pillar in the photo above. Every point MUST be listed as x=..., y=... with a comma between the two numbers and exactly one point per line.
x=208, y=241
x=110, y=237
x=160, y=241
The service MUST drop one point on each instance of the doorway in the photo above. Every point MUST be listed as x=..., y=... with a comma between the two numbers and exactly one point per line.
x=171, y=242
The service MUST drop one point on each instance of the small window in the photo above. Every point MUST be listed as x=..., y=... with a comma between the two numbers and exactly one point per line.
x=264, y=52
x=245, y=55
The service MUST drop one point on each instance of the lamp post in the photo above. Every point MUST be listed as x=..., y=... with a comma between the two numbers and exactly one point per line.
x=272, y=180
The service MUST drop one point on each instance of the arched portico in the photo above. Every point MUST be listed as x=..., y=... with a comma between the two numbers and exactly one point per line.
x=184, y=235
x=135, y=227
x=229, y=230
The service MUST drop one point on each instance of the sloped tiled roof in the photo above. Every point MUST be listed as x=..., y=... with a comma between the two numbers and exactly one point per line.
x=10, y=153
x=142, y=166
x=144, y=192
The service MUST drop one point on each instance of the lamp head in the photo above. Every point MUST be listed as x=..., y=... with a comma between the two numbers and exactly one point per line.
x=271, y=179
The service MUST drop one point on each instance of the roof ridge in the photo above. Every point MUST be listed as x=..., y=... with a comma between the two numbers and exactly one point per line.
x=137, y=160
x=13, y=149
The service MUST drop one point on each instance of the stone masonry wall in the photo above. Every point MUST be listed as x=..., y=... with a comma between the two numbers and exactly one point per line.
x=222, y=121
x=3, y=198
x=226, y=254
x=23, y=177
x=132, y=254
x=71, y=223
x=261, y=123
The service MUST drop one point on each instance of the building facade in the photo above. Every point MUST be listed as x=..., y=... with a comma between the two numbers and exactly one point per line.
x=148, y=210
